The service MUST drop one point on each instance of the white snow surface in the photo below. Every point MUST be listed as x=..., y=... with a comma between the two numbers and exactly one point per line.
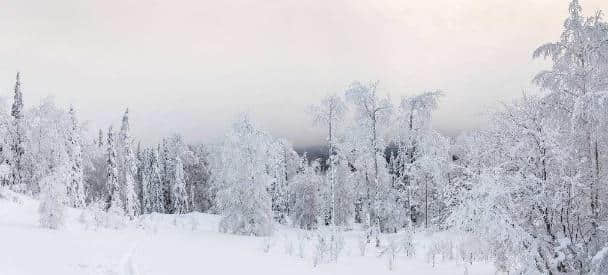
x=160, y=244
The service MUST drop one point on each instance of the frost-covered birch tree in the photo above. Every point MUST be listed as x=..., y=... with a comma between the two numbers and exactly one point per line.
x=372, y=113
x=330, y=113
x=420, y=153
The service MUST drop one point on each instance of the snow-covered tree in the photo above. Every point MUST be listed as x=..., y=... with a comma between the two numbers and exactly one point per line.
x=305, y=197
x=154, y=201
x=240, y=174
x=282, y=165
x=421, y=164
x=344, y=193
x=114, y=202
x=5, y=142
x=127, y=168
x=198, y=179
x=372, y=114
x=52, y=209
x=18, y=139
x=179, y=196
x=46, y=141
x=329, y=114
x=75, y=187
x=576, y=90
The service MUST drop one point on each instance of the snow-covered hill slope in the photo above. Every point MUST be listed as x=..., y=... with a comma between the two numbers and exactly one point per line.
x=186, y=244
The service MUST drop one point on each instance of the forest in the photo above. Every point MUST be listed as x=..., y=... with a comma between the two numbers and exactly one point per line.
x=530, y=187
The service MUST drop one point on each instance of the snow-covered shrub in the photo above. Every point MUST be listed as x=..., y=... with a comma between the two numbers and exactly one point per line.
x=397, y=244
x=98, y=214
x=320, y=249
x=336, y=244
x=431, y=255
x=447, y=249
x=390, y=251
x=302, y=239
x=267, y=243
x=487, y=214
x=115, y=218
x=93, y=216
x=51, y=209
x=440, y=250
x=407, y=243
x=128, y=266
x=471, y=249
x=362, y=242
x=85, y=218
x=288, y=245
x=194, y=223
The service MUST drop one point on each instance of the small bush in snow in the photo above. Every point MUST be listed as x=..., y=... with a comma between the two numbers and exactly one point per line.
x=329, y=244
x=301, y=244
x=398, y=244
x=472, y=249
x=336, y=244
x=433, y=252
x=446, y=249
x=98, y=214
x=267, y=244
x=320, y=249
x=51, y=209
x=407, y=243
x=288, y=245
x=390, y=251
x=362, y=242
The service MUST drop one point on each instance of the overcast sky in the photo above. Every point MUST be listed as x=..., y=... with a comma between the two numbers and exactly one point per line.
x=189, y=66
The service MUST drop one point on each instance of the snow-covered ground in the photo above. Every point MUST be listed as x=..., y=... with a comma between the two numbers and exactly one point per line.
x=190, y=244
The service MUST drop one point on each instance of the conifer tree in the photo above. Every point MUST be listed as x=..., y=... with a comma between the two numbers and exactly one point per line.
x=113, y=201
x=18, y=137
x=127, y=168
x=75, y=188
x=179, y=197
x=156, y=200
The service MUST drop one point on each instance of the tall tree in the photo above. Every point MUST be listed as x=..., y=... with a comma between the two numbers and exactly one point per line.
x=75, y=188
x=282, y=160
x=156, y=184
x=417, y=156
x=127, y=168
x=372, y=112
x=577, y=91
x=242, y=180
x=179, y=196
x=18, y=137
x=114, y=202
x=329, y=114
